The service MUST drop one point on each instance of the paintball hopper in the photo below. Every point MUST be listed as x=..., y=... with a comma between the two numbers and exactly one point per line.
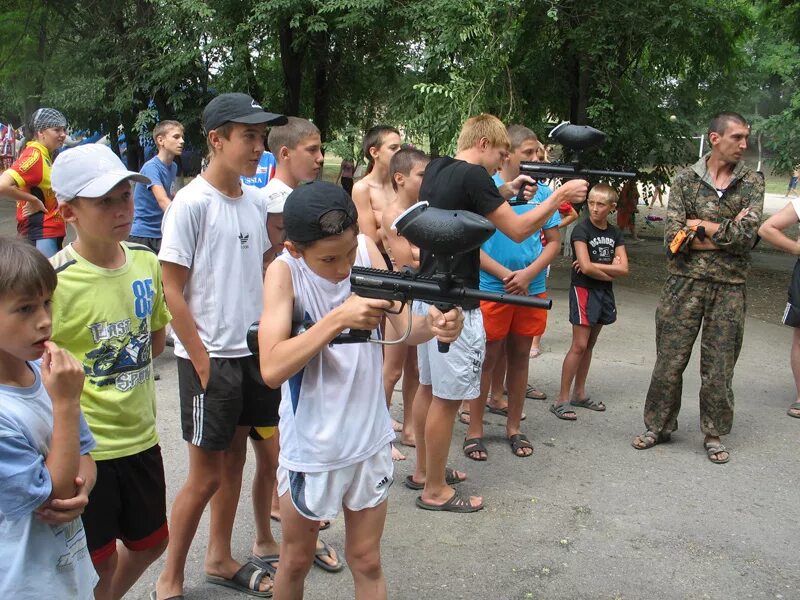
x=443, y=232
x=577, y=137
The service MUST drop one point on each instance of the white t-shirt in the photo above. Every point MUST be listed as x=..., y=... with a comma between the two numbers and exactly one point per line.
x=796, y=205
x=333, y=412
x=37, y=560
x=222, y=240
x=275, y=193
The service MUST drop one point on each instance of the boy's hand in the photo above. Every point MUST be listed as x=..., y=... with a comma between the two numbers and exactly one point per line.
x=56, y=511
x=202, y=366
x=363, y=313
x=62, y=375
x=32, y=207
x=446, y=327
x=530, y=186
x=575, y=190
x=517, y=283
x=576, y=265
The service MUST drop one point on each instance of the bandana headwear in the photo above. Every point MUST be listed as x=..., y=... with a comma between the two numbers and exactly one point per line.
x=45, y=118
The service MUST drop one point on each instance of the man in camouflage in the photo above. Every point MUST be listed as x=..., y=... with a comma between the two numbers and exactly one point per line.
x=719, y=201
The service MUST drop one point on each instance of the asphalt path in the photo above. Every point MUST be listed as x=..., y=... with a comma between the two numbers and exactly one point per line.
x=586, y=516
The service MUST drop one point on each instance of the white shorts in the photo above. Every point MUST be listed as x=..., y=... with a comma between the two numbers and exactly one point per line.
x=321, y=496
x=458, y=372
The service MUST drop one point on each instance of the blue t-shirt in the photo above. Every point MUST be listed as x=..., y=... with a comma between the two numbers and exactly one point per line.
x=264, y=172
x=514, y=255
x=147, y=214
x=37, y=560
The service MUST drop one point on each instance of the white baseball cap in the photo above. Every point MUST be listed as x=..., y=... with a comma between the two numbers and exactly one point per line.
x=89, y=171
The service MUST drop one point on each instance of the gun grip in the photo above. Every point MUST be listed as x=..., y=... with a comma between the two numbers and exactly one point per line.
x=364, y=334
x=444, y=347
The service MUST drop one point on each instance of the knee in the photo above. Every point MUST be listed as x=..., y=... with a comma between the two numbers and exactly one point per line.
x=206, y=487
x=364, y=561
x=392, y=373
x=151, y=554
x=235, y=459
x=579, y=348
x=296, y=565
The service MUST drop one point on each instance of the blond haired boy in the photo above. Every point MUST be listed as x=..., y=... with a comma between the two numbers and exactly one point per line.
x=465, y=183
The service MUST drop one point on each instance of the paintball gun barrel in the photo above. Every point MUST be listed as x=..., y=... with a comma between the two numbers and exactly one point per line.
x=575, y=138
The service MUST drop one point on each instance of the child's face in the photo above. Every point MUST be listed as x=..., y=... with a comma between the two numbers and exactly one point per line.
x=493, y=157
x=172, y=141
x=332, y=257
x=526, y=151
x=25, y=324
x=411, y=183
x=305, y=160
x=242, y=149
x=599, y=209
x=105, y=219
x=390, y=144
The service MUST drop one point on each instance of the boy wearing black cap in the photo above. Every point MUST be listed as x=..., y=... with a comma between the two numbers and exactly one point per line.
x=335, y=427
x=212, y=251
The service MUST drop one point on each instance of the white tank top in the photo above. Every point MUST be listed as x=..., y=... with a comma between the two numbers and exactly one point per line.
x=333, y=412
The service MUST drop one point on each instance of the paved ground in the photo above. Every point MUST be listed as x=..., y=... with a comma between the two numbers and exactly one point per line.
x=587, y=516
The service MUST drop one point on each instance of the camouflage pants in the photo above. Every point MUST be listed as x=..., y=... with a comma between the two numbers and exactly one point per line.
x=685, y=305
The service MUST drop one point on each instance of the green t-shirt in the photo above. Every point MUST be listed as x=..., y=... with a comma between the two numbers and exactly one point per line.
x=105, y=318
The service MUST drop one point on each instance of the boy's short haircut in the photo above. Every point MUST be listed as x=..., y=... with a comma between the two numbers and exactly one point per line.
x=290, y=135
x=483, y=126
x=374, y=139
x=517, y=134
x=162, y=127
x=318, y=210
x=603, y=191
x=719, y=122
x=24, y=270
x=404, y=160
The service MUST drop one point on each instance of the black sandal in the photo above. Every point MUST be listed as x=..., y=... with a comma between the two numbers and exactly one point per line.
x=519, y=441
x=472, y=445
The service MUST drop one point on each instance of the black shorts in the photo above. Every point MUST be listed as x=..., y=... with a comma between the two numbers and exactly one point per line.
x=591, y=306
x=153, y=243
x=128, y=503
x=791, y=316
x=235, y=395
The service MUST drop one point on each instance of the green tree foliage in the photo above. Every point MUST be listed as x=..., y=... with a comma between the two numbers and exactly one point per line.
x=624, y=66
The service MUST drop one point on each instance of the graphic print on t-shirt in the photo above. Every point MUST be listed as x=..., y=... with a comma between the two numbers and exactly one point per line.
x=123, y=356
x=601, y=249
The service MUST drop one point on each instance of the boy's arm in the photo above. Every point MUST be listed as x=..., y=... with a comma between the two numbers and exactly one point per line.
x=281, y=356
x=366, y=217
x=492, y=267
x=175, y=278
x=772, y=230
x=158, y=341
x=518, y=281
x=161, y=196
x=569, y=218
x=583, y=263
x=521, y=227
x=619, y=268
x=66, y=510
x=63, y=376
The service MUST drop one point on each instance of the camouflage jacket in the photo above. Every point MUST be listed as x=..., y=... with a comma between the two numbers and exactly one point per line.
x=693, y=196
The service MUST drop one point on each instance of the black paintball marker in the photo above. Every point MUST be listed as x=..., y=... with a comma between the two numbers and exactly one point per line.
x=574, y=138
x=444, y=233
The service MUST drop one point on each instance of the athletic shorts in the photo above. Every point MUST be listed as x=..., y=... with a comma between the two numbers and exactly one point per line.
x=153, y=243
x=321, y=496
x=128, y=503
x=791, y=316
x=456, y=374
x=591, y=306
x=235, y=395
x=500, y=320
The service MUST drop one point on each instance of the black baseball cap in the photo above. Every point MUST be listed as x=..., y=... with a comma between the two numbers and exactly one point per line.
x=237, y=108
x=307, y=204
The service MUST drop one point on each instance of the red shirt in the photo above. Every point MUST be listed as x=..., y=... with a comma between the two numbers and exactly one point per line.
x=31, y=173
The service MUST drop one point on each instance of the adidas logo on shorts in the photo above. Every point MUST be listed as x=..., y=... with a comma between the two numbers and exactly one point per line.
x=382, y=483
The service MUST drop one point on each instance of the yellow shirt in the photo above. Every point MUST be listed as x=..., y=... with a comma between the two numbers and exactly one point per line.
x=105, y=318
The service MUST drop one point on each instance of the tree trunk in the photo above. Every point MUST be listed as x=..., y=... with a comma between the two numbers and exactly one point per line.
x=292, y=63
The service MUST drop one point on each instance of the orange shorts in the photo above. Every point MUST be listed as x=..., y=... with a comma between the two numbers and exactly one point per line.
x=499, y=320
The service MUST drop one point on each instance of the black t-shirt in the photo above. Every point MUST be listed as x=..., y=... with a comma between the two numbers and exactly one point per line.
x=601, y=244
x=458, y=185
